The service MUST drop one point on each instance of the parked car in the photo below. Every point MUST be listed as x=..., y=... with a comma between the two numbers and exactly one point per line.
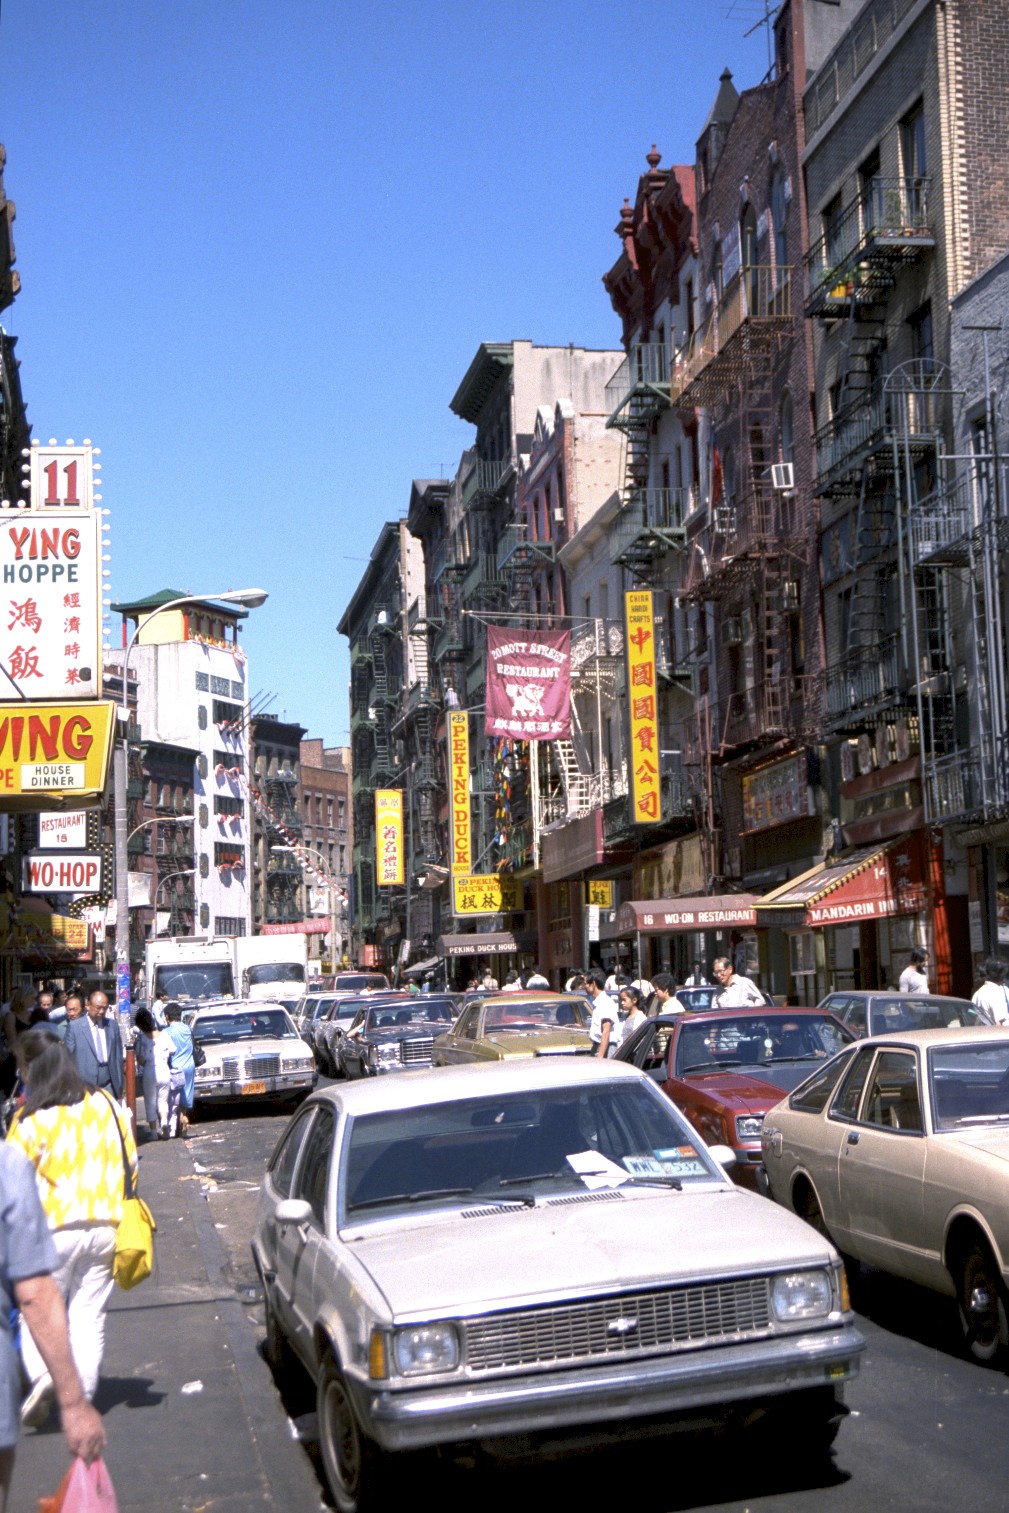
x=309, y=1008
x=516, y=1024
x=251, y=1050
x=494, y=1251
x=878, y=1013
x=393, y=1037
x=727, y=1068
x=897, y=1149
x=700, y=999
x=331, y=1028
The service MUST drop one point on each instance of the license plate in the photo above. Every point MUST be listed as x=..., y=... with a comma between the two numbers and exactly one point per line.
x=253, y=1087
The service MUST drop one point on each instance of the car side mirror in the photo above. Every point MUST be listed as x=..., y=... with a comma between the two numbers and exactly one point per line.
x=723, y=1154
x=293, y=1211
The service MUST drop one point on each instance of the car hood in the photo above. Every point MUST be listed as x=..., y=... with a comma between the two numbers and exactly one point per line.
x=529, y=1042
x=262, y=1045
x=744, y=1092
x=454, y=1265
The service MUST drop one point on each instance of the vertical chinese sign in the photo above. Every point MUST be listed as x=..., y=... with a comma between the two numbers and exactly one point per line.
x=389, y=872
x=646, y=786
x=458, y=761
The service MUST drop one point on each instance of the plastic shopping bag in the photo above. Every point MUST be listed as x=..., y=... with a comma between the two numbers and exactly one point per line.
x=84, y=1489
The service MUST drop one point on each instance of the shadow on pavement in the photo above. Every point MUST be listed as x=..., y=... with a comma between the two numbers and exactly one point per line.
x=903, y=1308
x=127, y=1391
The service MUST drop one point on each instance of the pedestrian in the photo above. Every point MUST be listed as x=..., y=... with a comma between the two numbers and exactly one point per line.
x=153, y=1048
x=96, y=1045
x=992, y=997
x=604, y=1012
x=735, y=991
x=629, y=1015
x=158, y=1009
x=536, y=979
x=183, y=1080
x=488, y=982
x=512, y=983
x=27, y=1260
x=575, y=982
x=914, y=978
x=696, y=978
x=663, y=999
x=75, y=1138
x=643, y=986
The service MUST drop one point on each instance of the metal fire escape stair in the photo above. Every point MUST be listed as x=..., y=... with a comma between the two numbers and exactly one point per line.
x=581, y=789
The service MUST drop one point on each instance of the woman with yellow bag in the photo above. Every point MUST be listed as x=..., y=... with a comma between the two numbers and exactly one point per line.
x=81, y=1146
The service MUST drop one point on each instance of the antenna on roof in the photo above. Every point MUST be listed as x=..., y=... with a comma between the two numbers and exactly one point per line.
x=745, y=9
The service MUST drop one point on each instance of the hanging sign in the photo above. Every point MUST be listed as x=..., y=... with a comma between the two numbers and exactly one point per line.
x=67, y=872
x=67, y=829
x=458, y=760
x=599, y=893
x=528, y=684
x=389, y=871
x=646, y=785
x=50, y=605
x=51, y=752
x=490, y=894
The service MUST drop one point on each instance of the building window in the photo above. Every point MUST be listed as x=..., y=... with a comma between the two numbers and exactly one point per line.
x=832, y=218
x=238, y=690
x=912, y=145
x=779, y=210
x=204, y=864
x=228, y=805
x=869, y=188
x=229, y=855
x=202, y=766
x=204, y=817
x=786, y=437
x=228, y=760
x=221, y=685
x=227, y=713
x=228, y=924
x=922, y=349
x=204, y=916
x=202, y=683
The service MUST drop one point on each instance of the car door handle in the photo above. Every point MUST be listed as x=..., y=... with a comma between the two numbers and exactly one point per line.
x=853, y=1137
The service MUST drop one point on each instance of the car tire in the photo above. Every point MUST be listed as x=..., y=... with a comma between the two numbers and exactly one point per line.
x=981, y=1299
x=358, y=1472
x=802, y=1426
x=276, y=1350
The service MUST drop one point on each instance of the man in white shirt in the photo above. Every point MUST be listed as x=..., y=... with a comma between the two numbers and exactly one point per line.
x=992, y=997
x=604, y=1013
x=735, y=992
x=536, y=979
x=913, y=979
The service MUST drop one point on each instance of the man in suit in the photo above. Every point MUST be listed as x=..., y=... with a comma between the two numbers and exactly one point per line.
x=96, y=1046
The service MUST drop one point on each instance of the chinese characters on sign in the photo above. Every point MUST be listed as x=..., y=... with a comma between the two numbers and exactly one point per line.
x=492, y=894
x=389, y=837
x=458, y=756
x=50, y=604
x=599, y=894
x=646, y=783
x=776, y=794
x=528, y=684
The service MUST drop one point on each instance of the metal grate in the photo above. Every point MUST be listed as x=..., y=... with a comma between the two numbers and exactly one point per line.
x=637, y=1324
x=413, y=1051
x=229, y=1068
x=262, y=1066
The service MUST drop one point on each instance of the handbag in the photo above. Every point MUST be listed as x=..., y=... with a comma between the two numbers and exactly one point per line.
x=134, y=1257
x=84, y=1489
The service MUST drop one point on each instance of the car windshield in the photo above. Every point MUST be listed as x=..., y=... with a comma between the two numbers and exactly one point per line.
x=909, y=1011
x=536, y=1014
x=270, y=1024
x=420, y=1014
x=275, y=971
x=205, y=979
x=970, y=1084
x=707, y=1045
x=520, y=1146
x=356, y=982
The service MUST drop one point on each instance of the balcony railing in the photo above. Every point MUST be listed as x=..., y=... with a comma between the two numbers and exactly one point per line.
x=756, y=299
x=869, y=425
x=650, y=524
x=854, y=259
x=766, y=711
x=967, y=785
x=516, y=549
x=485, y=481
x=639, y=388
x=961, y=516
x=865, y=678
x=483, y=576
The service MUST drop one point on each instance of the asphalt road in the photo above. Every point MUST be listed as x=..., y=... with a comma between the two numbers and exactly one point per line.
x=927, y=1428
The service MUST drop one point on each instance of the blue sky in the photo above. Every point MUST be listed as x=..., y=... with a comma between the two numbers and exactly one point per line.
x=260, y=241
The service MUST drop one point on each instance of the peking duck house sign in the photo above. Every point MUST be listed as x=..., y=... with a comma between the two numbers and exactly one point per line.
x=528, y=684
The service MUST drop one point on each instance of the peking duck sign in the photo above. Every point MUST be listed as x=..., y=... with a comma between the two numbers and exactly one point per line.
x=528, y=684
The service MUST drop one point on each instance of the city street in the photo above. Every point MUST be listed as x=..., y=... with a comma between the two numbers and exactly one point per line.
x=926, y=1428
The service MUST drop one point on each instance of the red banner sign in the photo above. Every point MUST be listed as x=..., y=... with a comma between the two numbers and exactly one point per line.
x=528, y=684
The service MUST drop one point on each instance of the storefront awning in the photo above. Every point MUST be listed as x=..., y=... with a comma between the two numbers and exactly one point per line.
x=874, y=882
x=656, y=916
x=490, y=943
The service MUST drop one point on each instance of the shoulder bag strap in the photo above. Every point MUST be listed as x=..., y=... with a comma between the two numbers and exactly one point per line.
x=129, y=1191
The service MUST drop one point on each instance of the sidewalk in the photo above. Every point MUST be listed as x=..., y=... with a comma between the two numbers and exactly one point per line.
x=225, y=1443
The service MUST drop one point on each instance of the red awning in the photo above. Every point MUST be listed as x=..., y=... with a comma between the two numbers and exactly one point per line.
x=874, y=882
x=717, y=911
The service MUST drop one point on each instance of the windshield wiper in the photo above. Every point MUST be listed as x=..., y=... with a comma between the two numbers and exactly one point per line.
x=709, y=1066
x=673, y=1182
x=429, y=1192
x=981, y=1118
x=532, y=1177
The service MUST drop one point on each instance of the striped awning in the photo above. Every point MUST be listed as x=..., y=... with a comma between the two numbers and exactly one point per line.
x=872, y=882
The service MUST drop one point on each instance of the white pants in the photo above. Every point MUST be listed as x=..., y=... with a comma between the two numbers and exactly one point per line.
x=84, y=1276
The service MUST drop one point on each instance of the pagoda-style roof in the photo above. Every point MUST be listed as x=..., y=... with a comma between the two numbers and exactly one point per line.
x=165, y=596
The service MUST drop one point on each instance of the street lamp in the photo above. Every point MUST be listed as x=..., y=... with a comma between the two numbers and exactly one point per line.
x=168, y=878
x=331, y=887
x=248, y=598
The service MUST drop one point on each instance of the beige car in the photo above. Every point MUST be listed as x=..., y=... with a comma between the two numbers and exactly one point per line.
x=897, y=1150
x=504, y=1025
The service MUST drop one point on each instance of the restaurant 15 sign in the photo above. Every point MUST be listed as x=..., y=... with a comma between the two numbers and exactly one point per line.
x=50, y=605
x=458, y=757
x=389, y=837
x=646, y=784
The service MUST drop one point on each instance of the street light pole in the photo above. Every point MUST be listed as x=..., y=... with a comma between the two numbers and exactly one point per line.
x=168, y=878
x=250, y=598
x=331, y=887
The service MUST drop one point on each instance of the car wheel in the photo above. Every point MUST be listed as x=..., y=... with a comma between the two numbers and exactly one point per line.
x=807, y=1206
x=357, y=1471
x=982, y=1302
x=275, y=1347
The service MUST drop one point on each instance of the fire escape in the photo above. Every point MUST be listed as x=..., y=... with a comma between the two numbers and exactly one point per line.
x=283, y=869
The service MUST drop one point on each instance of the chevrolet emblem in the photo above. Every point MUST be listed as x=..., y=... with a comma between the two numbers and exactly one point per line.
x=621, y=1326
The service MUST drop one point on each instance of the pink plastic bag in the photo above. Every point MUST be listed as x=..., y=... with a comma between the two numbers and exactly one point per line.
x=84, y=1489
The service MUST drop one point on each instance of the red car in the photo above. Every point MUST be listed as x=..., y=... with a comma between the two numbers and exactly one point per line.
x=726, y=1068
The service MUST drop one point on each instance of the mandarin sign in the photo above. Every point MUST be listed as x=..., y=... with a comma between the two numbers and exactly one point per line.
x=458, y=760
x=490, y=894
x=50, y=752
x=646, y=785
x=389, y=872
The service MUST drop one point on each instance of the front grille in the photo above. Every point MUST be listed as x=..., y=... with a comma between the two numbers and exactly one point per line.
x=229, y=1068
x=640, y=1324
x=411, y=1051
x=262, y=1066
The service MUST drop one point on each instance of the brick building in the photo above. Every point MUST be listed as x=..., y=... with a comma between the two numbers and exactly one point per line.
x=326, y=837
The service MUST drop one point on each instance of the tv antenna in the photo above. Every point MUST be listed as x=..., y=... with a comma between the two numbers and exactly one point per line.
x=764, y=11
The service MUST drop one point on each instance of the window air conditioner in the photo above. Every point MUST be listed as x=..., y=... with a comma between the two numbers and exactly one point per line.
x=790, y=594
x=783, y=477
x=732, y=631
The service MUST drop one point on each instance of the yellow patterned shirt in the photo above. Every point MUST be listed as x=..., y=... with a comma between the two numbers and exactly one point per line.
x=78, y=1159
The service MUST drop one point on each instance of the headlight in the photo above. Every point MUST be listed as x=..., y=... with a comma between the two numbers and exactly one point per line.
x=748, y=1126
x=388, y=1052
x=207, y=1073
x=295, y=1064
x=801, y=1295
x=425, y=1349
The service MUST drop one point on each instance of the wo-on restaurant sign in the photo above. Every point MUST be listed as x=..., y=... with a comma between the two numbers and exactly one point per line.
x=528, y=684
x=389, y=871
x=777, y=794
x=458, y=761
x=717, y=912
x=53, y=752
x=646, y=784
x=489, y=894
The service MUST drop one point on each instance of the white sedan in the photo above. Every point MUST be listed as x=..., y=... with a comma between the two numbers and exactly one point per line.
x=507, y=1249
x=250, y=1049
x=897, y=1150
